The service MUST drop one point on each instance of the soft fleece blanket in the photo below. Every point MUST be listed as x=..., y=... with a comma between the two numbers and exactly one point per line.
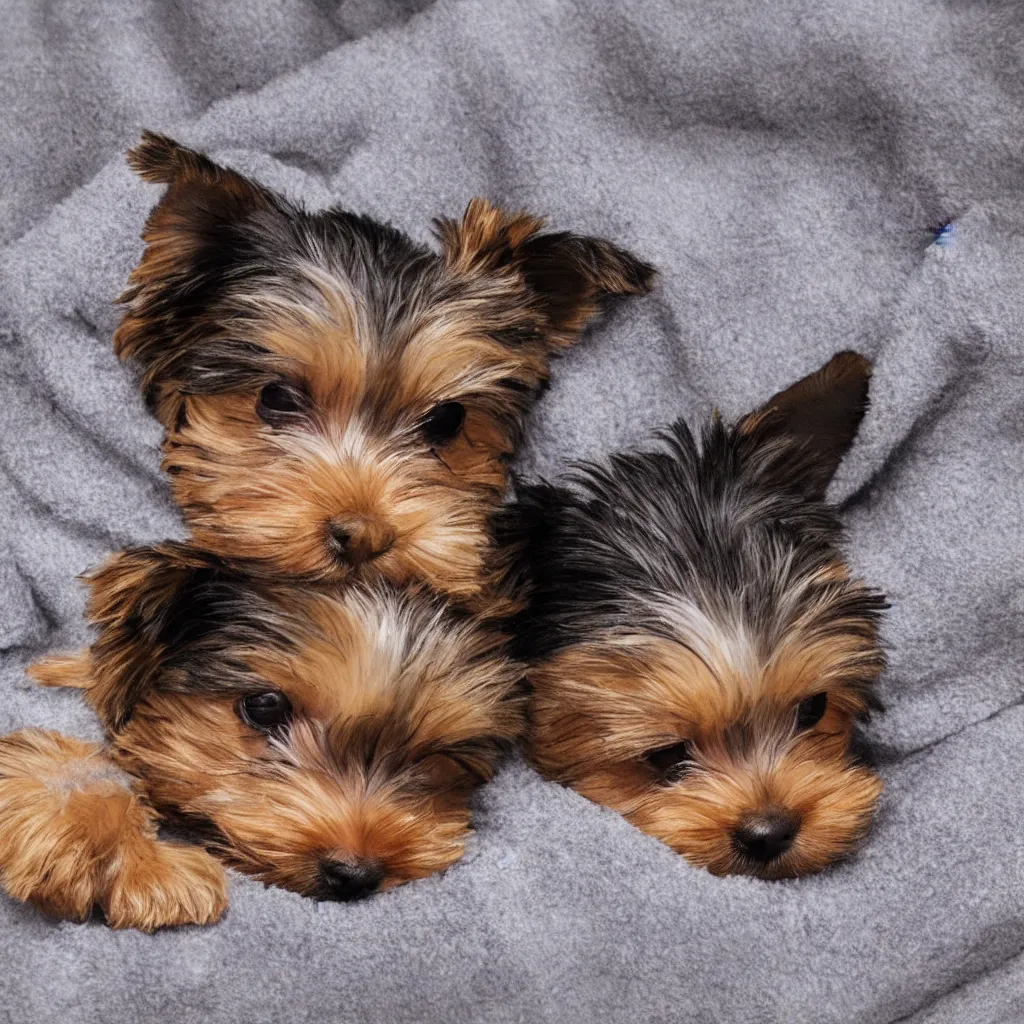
x=789, y=165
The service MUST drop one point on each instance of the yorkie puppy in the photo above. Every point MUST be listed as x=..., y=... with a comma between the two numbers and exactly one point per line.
x=701, y=653
x=338, y=399
x=324, y=740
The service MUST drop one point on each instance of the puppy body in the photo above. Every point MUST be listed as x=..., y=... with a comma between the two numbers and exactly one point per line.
x=701, y=654
x=323, y=740
x=340, y=401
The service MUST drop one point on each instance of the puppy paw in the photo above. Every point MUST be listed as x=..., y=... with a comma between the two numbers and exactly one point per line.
x=74, y=834
x=160, y=885
x=58, y=799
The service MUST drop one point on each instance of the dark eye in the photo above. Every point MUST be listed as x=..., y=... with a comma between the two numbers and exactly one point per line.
x=443, y=422
x=671, y=763
x=278, y=402
x=268, y=710
x=472, y=761
x=810, y=712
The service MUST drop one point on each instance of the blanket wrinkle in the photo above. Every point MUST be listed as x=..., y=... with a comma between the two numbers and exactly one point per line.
x=79, y=79
x=885, y=755
x=979, y=1000
x=37, y=390
x=959, y=370
x=22, y=623
x=966, y=983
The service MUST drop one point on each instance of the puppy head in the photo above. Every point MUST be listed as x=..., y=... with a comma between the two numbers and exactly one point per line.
x=337, y=398
x=704, y=654
x=326, y=742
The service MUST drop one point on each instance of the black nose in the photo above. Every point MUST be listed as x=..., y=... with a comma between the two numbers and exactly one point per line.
x=344, y=882
x=359, y=538
x=339, y=537
x=763, y=837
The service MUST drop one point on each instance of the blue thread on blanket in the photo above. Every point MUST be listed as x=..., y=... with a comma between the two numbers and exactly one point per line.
x=945, y=235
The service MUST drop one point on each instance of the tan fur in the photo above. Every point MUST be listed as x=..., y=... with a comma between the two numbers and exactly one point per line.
x=477, y=242
x=246, y=489
x=599, y=708
x=378, y=764
x=476, y=324
x=277, y=496
x=74, y=834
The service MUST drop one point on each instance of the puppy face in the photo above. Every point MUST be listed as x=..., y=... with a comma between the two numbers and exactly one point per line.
x=327, y=743
x=338, y=399
x=704, y=655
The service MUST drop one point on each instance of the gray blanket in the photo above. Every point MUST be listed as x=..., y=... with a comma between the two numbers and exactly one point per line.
x=789, y=166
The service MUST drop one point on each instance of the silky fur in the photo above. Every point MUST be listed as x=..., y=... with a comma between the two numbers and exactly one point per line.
x=239, y=289
x=697, y=593
x=401, y=707
x=76, y=834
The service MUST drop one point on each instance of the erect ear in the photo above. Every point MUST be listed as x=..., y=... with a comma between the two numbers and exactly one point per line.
x=565, y=275
x=138, y=599
x=812, y=423
x=192, y=245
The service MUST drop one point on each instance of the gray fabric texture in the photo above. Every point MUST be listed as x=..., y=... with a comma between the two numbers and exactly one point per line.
x=787, y=166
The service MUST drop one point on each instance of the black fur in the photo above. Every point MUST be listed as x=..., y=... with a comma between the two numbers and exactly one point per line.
x=725, y=523
x=239, y=238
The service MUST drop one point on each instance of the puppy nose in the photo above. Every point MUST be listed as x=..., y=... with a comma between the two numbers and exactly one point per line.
x=359, y=539
x=765, y=836
x=344, y=882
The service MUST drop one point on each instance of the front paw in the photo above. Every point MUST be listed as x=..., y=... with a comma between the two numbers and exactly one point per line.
x=160, y=885
x=51, y=846
x=74, y=833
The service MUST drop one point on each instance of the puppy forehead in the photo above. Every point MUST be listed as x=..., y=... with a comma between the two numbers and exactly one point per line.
x=376, y=654
x=693, y=674
x=781, y=653
x=421, y=337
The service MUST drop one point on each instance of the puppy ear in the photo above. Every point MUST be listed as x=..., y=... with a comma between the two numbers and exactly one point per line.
x=163, y=161
x=137, y=598
x=812, y=424
x=565, y=275
x=192, y=246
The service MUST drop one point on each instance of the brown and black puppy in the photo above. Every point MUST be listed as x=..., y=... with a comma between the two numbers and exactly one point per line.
x=701, y=654
x=340, y=404
x=324, y=740
x=340, y=401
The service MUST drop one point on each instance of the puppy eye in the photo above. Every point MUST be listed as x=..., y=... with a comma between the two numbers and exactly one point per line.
x=445, y=770
x=672, y=762
x=811, y=711
x=443, y=422
x=468, y=761
x=278, y=402
x=268, y=710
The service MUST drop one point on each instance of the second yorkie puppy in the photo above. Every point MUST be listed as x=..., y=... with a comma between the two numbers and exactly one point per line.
x=339, y=400
x=701, y=653
x=326, y=741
